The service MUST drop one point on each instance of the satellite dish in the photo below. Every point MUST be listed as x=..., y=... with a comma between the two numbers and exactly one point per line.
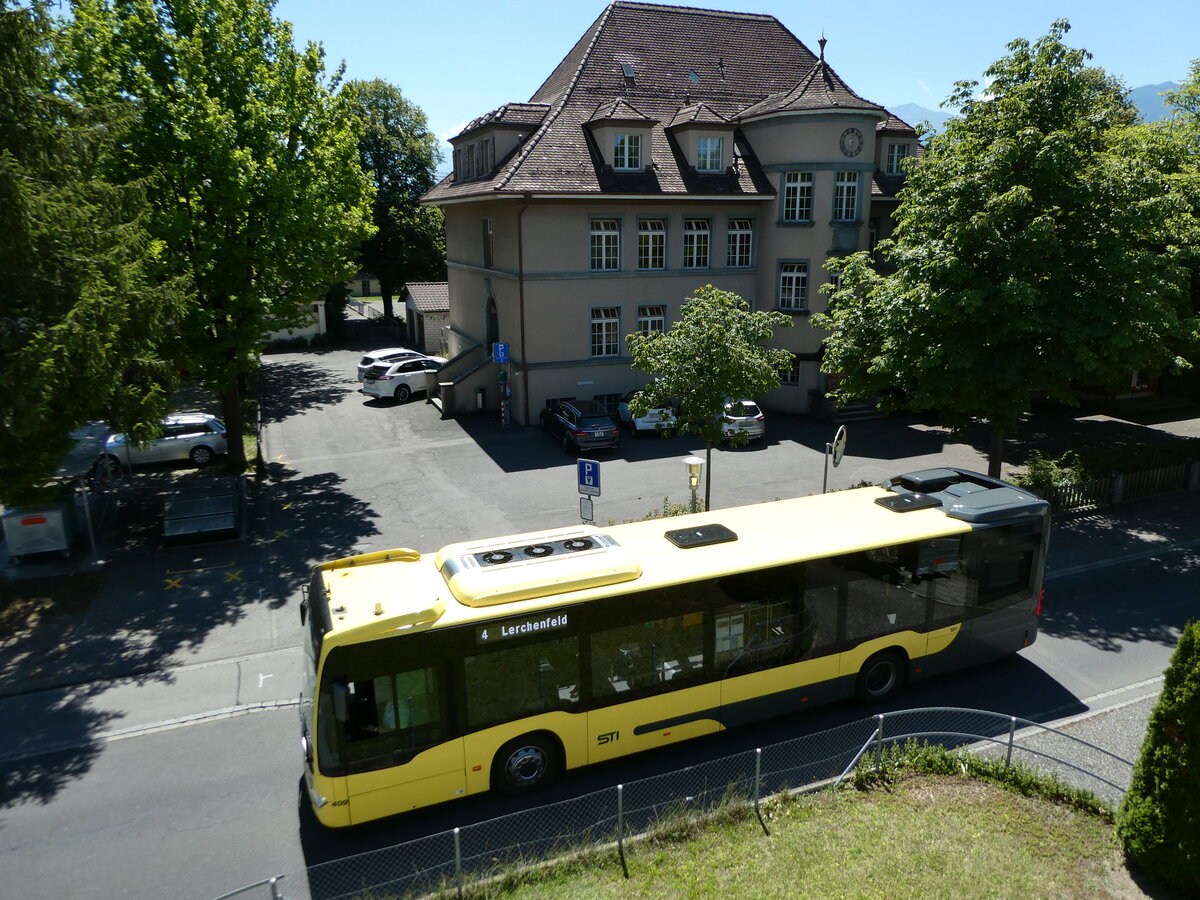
x=839, y=446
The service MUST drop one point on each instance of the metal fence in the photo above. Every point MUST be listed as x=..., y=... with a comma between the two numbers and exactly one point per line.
x=1123, y=488
x=608, y=819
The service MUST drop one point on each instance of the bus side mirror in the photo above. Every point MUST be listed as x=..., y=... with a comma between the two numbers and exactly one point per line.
x=303, y=605
x=341, y=701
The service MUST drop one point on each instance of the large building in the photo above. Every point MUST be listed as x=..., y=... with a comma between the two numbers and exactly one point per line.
x=671, y=148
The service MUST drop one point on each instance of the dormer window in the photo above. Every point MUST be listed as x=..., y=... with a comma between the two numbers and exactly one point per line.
x=709, y=152
x=627, y=152
x=896, y=154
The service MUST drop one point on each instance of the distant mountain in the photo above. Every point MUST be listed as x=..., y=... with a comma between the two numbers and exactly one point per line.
x=912, y=114
x=1150, y=105
x=1147, y=99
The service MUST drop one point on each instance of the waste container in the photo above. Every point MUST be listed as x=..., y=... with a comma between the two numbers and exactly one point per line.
x=479, y=398
x=43, y=529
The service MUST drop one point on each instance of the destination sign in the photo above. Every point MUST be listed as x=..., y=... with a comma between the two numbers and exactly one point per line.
x=516, y=628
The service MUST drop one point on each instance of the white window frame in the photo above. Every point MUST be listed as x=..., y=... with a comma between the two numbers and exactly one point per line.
x=740, y=240
x=845, y=197
x=697, y=243
x=797, y=196
x=791, y=375
x=896, y=154
x=793, y=286
x=652, y=244
x=605, y=245
x=627, y=152
x=606, y=331
x=709, y=154
x=652, y=318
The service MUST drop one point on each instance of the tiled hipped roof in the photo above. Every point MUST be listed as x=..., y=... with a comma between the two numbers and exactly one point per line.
x=671, y=66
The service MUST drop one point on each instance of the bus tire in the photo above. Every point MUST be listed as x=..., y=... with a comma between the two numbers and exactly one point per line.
x=525, y=765
x=880, y=678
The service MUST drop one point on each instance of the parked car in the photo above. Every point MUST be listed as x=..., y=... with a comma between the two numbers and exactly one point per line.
x=743, y=417
x=386, y=355
x=194, y=436
x=400, y=380
x=581, y=425
x=655, y=420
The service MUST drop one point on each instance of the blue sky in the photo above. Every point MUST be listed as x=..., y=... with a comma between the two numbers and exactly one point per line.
x=460, y=60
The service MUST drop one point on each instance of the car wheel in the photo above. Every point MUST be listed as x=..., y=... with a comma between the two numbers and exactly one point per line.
x=880, y=677
x=201, y=456
x=526, y=764
x=402, y=393
x=566, y=443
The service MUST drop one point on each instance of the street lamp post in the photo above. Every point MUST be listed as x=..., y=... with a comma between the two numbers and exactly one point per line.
x=694, y=466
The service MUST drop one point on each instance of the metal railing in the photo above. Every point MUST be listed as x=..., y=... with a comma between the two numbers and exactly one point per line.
x=606, y=819
x=1123, y=488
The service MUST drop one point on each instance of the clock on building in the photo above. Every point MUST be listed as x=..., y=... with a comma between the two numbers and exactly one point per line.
x=852, y=141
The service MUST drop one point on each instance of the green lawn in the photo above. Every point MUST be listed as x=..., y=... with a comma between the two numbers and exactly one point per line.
x=923, y=836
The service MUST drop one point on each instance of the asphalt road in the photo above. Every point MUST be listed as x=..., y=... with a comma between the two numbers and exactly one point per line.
x=183, y=781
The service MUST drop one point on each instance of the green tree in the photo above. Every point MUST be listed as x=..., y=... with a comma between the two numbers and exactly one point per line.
x=1033, y=252
x=714, y=353
x=260, y=201
x=84, y=304
x=400, y=154
x=1159, y=817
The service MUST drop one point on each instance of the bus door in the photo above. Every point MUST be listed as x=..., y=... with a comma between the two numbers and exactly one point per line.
x=649, y=686
x=1003, y=564
x=394, y=737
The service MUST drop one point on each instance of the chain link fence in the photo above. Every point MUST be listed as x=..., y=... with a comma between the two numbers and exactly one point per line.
x=607, y=819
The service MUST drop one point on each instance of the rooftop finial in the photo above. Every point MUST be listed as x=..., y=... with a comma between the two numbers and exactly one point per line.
x=822, y=43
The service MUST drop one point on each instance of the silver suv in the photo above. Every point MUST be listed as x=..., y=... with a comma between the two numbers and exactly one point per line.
x=193, y=436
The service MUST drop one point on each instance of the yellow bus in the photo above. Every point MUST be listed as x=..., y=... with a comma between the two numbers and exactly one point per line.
x=497, y=664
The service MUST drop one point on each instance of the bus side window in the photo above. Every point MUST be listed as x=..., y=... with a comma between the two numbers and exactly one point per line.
x=648, y=657
x=526, y=679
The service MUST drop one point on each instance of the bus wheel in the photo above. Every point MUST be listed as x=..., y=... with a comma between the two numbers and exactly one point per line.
x=525, y=765
x=880, y=677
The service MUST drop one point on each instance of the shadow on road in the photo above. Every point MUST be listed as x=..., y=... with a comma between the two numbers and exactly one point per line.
x=67, y=639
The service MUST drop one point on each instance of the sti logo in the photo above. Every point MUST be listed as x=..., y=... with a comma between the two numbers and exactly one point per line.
x=608, y=737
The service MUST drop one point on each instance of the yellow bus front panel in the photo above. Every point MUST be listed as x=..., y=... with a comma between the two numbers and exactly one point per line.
x=433, y=776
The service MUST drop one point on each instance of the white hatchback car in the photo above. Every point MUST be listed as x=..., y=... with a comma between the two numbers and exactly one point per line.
x=400, y=380
x=385, y=355
x=743, y=417
x=193, y=436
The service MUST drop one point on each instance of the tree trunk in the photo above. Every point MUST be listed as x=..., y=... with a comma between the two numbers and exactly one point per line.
x=386, y=290
x=707, y=475
x=231, y=411
x=995, y=452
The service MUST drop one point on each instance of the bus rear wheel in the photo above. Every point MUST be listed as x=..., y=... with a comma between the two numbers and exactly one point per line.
x=881, y=677
x=526, y=764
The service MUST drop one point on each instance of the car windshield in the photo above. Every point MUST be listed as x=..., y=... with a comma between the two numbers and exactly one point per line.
x=593, y=421
x=377, y=370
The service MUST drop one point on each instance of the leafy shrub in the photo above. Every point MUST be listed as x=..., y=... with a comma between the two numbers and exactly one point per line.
x=1088, y=463
x=1159, y=818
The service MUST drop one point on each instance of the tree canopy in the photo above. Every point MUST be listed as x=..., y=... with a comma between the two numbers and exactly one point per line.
x=259, y=200
x=85, y=295
x=713, y=354
x=1034, y=250
x=400, y=154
